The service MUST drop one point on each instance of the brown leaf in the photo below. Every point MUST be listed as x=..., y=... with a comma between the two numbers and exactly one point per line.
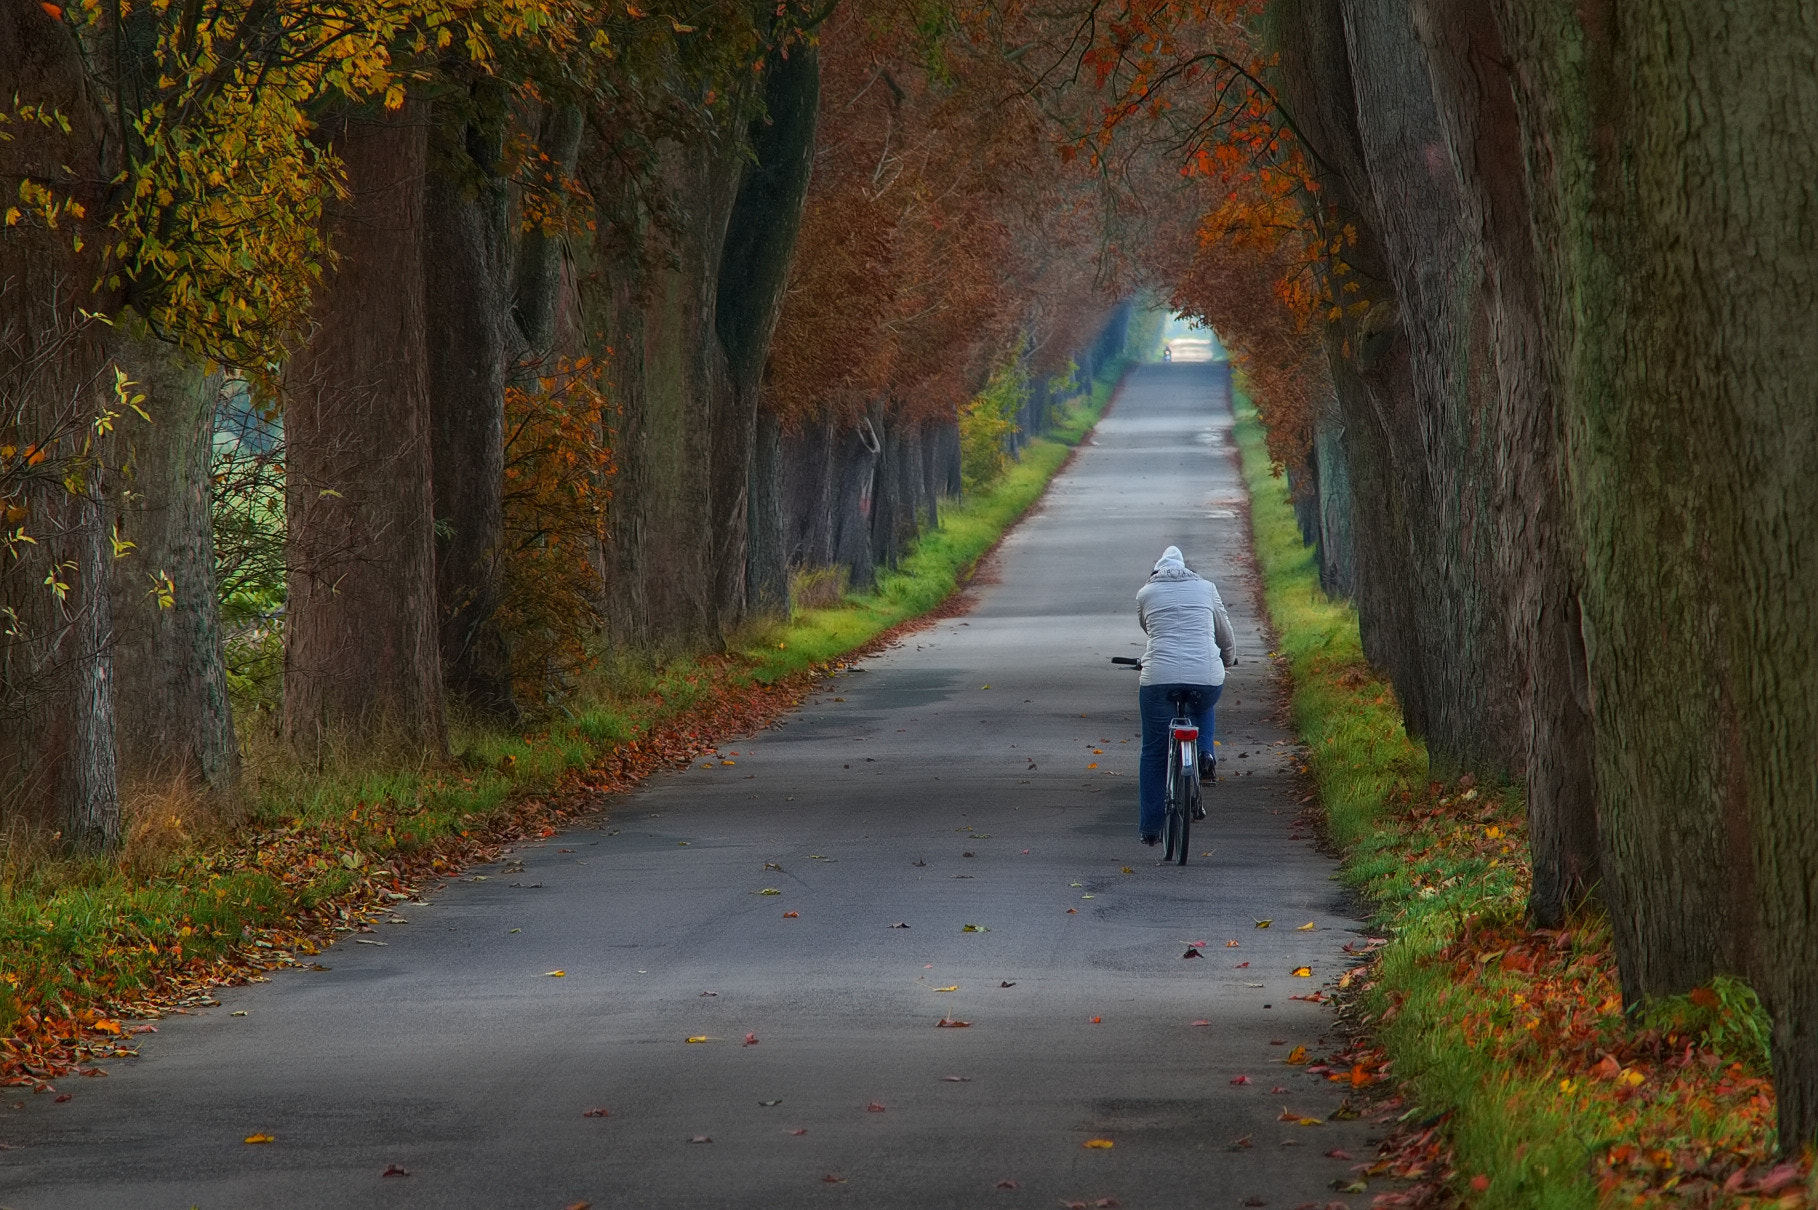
x=596, y=1113
x=831, y=1179
x=1191, y=953
x=874, y=1107
x=950, y=1023
x=1008, y=1185
x=701, y=1138
x=394, y=1170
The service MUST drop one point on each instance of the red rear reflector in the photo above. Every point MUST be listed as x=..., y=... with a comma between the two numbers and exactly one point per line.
x=1186, y=733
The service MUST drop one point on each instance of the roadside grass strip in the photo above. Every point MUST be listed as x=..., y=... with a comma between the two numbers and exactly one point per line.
x=89, y=947
x=1520, y=1080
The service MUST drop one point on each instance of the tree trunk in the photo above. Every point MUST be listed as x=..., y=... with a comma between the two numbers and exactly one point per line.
x=767, y=563
x=466, y=369
x=754, y=271
x=57, y=747
x=361, y=652
x=1670, y=154
x=171, y=676
x=1537, y=564
x=857, y=466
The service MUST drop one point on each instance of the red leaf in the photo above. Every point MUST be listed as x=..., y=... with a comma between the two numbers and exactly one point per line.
x=751, y=1040
x=874, y=1107
x=596, y=1113
x=1241, y=1080
x=394, y=1170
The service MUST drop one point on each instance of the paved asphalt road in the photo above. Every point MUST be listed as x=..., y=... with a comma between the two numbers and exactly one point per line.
x=980, y=773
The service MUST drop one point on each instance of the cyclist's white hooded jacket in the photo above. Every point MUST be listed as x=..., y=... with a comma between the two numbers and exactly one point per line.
x=1190, y=637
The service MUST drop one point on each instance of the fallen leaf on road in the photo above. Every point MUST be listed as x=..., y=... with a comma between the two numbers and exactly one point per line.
x=1231, y=945
x=701, y=1138
x=833, y=1180
x=1308, y=927
x=1310, y=998
x=798, y=1133
x=1240, y=966
x=1344, y=1112
x=555, y=974
x=1263, y=924
x=1202, y=1023
x=1128, y=870
x=792, y=915
x=874, y=1107
x=771, y=865
x=394, y=1170
x=578, y=1206
x=956, y=1079
x=260, y=1138
x=1279, y=1089
x=1098, y=1144
x=1008, y=1185
x=238, y=1012
x=954, y=988
x=769, y=890
x=899, y=925
x=1093, y=765
x=1096, y=1020
x=1006, y=984
x=770, y=1104
x=367, y=941
x=699, y=1038
x=1240, y=1079
x=1296, y=1056
x=142, y=1029
x=710, y=993
x=1303, y=972
x=751, y=1040
x=1338, y=1153
x=1072, y=911
x=596, y=1113
x=108, y=1027
x=65, y=1096
x=1241, y=1143
x=974, y=928
x=950, y=1023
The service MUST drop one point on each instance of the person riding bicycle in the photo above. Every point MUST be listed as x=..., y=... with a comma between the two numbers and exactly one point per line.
x=1190, y=646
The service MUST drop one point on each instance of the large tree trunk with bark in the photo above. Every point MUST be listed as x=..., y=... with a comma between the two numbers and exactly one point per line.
x=1671, y=162
x=175, y=720
x=754, y=270
x=57, y=749
x=467, y=365
x=1537, y=563
x=361, y=650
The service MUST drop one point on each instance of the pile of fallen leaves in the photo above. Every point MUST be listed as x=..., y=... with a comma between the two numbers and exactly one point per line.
x=1674, y=1102
x=317, y=882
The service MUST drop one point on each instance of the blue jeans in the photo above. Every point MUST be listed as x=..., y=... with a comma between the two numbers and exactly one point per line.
x=1157, y=712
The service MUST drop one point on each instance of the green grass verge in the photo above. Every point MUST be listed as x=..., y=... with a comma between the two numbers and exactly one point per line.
x=75, y=934
x=1554, y=1097
x=1423, y=888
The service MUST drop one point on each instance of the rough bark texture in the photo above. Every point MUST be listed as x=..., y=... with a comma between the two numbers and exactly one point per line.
x=1536, y=562
x=754, y=270
x=690, y=317
x=170, y=672
x=467, y=364
x=361, y=650
x=57, y=753
x=1672, y=168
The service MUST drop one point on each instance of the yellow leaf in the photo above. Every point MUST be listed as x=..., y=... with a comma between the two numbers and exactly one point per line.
x=1297, y=1056
x=1099, y=1144
x=1303, y=972
x=1263, y=924
x=954, y=988
x=1093, y=765
x=107, y=1027
x=770, y=890
x=555, y=974
x=1305, y=928
x=700, y=1038
x=260, y=1138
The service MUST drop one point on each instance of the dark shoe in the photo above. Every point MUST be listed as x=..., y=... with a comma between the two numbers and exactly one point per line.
x=1152, y=840
x=1199, y=810
x=1208, y=767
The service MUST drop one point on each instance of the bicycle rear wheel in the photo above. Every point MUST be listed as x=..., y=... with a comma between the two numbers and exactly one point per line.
x=1189, y=801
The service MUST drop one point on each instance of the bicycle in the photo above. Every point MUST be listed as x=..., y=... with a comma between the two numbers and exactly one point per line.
x=1181, y=803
